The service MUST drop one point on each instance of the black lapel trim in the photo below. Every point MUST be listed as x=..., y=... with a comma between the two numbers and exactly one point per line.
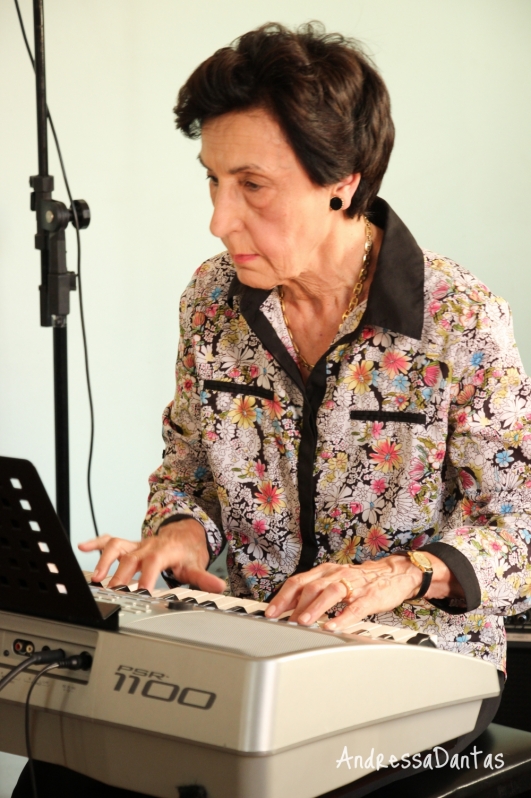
x=396, y=297
x=235, y=287
x=250, y=301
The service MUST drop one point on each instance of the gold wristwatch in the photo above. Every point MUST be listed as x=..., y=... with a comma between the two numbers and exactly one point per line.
x=424, y=563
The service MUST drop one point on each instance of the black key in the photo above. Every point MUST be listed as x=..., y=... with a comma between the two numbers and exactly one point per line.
x=421, y=640
x=95, y=584
x=207, y=604
x=386, y=637
x=190, y=600
x=166, y=596
x=121, y=589
x=284, y=620
x=141, y=591
x=257, y=613
x=179, y=606
x=236, y=608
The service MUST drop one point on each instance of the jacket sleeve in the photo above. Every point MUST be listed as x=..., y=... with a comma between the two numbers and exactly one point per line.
x=183, y=485
x=486, y=537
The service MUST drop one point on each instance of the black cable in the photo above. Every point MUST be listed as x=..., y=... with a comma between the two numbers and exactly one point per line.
x=76, y=662
x=81, y=310
x=27, y=725
x=39, y=658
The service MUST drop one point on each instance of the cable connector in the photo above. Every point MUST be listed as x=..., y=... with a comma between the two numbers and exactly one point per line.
x=77, y=662
x=46, y=657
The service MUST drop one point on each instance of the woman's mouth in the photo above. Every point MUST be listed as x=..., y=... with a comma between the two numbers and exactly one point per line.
x=241, y=258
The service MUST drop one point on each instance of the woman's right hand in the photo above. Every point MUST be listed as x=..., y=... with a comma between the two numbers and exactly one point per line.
x=180, y=546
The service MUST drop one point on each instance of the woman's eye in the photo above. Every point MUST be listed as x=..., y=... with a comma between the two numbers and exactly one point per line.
x=252, y=186
x=212, y=179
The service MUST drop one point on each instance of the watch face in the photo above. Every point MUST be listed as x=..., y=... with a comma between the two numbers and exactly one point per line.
x=420, y=559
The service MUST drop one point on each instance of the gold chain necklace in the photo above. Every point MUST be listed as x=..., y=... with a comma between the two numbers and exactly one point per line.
x=358, y=288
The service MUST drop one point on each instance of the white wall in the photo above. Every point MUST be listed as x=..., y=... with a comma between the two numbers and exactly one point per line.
x=459, y=73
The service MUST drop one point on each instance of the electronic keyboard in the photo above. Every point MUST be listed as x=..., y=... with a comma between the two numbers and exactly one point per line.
x=191, y=688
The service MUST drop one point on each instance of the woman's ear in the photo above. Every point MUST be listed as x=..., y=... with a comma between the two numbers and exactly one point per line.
x=346, y=188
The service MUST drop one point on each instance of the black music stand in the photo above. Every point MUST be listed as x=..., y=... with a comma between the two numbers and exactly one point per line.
x=39, y=573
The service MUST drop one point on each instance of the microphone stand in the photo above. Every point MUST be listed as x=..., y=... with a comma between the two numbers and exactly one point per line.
x=56, y=282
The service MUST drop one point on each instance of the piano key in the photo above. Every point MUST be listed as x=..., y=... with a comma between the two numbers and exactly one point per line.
x=179, y=606
x=401, y=635
x=360, y=626
x=182, y=593
x=224, y=602
x=221, y=602
x=421, y=640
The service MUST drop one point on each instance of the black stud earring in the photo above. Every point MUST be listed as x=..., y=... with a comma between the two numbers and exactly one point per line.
x=336, y=203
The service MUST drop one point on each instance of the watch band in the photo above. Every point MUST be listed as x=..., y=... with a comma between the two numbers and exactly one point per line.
x=427, y=572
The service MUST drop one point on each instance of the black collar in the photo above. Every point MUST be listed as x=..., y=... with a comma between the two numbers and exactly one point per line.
x=396, y=296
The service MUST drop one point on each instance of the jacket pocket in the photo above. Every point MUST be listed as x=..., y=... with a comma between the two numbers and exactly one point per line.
x=388, y=415
x=236, y=388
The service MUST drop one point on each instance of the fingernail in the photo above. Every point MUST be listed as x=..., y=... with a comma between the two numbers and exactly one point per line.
x=95, y=574
x=305, y=617
x=271, y=612
x=330, y=626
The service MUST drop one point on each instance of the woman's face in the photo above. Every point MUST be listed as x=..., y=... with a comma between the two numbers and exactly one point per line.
x=275, y=223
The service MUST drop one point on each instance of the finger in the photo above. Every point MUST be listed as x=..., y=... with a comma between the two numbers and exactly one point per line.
x=203, y=580
x=308, y=595
x=288, y=595
x=333, y=593
x=352, y=614
x=130, y=564
x=114, y=550
x=156, y=562
x=151, y=563
x=94, y=543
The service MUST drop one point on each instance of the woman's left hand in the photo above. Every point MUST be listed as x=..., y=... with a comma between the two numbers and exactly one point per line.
x=372, y=587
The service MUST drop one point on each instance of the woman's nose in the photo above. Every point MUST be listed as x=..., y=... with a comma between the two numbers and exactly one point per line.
x=227, y=216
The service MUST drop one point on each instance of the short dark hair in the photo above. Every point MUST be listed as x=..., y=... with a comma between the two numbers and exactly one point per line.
x=321, y=88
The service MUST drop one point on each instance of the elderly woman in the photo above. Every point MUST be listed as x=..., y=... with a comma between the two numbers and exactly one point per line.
x=351, y=417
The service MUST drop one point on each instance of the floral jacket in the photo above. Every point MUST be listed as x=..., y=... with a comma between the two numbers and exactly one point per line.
x=412, y=432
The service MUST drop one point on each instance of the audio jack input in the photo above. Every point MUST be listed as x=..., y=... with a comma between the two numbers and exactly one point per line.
x=25, y=648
